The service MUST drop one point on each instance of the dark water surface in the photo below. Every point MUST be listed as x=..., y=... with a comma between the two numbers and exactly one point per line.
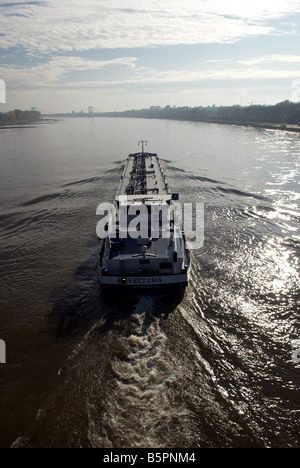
x=212, y=369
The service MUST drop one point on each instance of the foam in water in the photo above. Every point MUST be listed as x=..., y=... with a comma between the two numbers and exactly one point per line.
x=136, y=398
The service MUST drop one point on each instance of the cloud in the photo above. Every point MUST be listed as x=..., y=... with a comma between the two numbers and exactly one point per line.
x=45, y=45
x=46, y=26
x=57, y=68
x=65, y=72
x=273, y=59
x=54, y=75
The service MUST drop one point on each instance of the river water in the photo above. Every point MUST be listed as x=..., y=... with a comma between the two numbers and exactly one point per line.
x=218, y=367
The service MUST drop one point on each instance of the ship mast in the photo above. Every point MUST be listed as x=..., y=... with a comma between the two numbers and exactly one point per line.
x=142, y=141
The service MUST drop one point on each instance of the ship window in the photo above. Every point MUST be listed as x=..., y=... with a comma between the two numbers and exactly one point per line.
x=165, y=265
x=144, y=262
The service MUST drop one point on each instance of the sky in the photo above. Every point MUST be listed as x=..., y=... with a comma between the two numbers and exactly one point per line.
x=67, y=55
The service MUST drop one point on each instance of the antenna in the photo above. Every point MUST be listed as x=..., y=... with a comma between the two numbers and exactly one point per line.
x=143, y=141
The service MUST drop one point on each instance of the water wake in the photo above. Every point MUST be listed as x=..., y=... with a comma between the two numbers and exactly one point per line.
x=136, y=395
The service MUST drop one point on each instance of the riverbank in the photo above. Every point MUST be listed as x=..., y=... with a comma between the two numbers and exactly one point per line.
x=270, y=126
x=126, y=115
x=25, y=123
x=288, y=128
x=282, y=116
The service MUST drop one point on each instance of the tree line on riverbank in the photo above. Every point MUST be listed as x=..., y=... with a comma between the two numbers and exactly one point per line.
x=17, y=115
x=285, y=112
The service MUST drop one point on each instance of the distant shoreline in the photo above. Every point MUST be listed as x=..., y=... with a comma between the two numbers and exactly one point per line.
x=281, y=116
x=268, y=126
x=24, y=123
x=56, y=117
